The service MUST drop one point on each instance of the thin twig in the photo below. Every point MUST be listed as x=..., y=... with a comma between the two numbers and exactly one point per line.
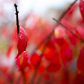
x=17, y=21
x=68, y=30
x=48, y=38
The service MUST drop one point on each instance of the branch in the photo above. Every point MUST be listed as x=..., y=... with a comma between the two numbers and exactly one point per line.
x=17, y=21
x=68, y=29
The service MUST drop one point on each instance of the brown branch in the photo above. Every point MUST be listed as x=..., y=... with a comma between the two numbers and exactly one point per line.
x=48, y=38
x=17, y=21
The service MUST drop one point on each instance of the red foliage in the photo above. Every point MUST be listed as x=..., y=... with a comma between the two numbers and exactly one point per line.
x=55, y=64
x=34, y=59
x=66, y=53
x=79, y=79
x=80, y=32
x=49, y=51
x=22, y=60
x=22, y=41
x=46, y=77
x=9, y=50
x=80, y=61
x=41, y=68
x=81, y=7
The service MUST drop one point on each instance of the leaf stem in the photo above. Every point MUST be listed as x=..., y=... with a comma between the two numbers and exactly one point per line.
x=17, y=21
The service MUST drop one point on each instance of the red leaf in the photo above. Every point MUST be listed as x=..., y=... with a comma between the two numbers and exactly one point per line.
x=22, y=41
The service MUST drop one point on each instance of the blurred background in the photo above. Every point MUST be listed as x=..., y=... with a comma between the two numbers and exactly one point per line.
x=35, y=16
x=39, y=7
